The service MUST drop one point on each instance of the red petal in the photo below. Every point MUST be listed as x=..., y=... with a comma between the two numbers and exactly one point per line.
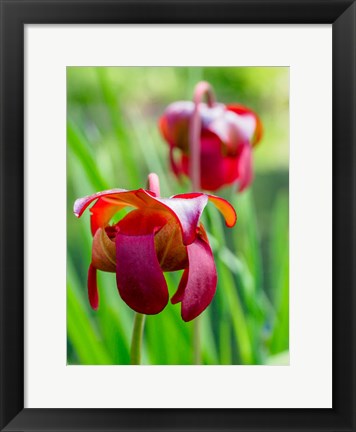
x=174, y=124
x=171, y=253
x=218, y=170
x=102, y=211
x=200, y=282
x=82, y=203
x=212, y=165
x=176, y=167
x=103, y=255
x=188, y=209
x=143, y=221
x=163, y=127
x=139, y=277
x=231, y=169
x=93, y=288
x=232, y=130
x=109, y=202
x=117, y=198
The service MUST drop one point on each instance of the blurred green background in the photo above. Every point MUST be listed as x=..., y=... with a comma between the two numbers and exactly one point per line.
x=113, y=142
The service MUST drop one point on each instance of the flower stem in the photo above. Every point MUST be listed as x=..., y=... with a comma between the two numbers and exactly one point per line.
x=136, y=341
x=201, y=89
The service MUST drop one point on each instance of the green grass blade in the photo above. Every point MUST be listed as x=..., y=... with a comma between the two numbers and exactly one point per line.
x=280, y=271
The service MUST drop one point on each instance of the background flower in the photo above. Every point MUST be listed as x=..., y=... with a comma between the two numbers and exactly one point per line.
x=228, y=133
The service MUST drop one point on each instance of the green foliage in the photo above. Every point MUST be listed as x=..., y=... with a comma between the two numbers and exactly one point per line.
x=113, y=141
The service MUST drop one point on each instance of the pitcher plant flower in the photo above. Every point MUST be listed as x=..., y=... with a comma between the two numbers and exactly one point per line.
x=211, y=142
x=158, y=235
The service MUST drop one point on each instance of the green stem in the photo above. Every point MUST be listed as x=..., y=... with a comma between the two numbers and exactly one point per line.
x=137, y=336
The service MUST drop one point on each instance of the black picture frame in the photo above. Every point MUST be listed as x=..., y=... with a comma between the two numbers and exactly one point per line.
x=14, y=15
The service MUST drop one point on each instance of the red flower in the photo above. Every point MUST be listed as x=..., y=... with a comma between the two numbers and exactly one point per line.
x=159, y=234
x=228, y=133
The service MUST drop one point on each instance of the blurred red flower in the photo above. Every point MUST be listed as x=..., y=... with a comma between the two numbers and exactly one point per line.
x=158, y=235
x=227, y=135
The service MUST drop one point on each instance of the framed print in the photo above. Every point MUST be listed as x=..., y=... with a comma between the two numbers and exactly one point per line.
x=177, y=215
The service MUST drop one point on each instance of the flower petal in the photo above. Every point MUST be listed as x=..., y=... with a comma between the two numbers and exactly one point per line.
x=217, y=161
x=163, y=127
x=200, y=281
x=231, y=169
x=225, y=208
x=171, y=253
x=139, y=277
x=103, y=256
x=212, y=165
x=232, y=130
x=93, y=288
x=82, y=203
x=212, y=171
x=174, y=124
x=176, y=166
x=116, y=198
x=186, y=213
x=102, y=211
x=109, y=202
